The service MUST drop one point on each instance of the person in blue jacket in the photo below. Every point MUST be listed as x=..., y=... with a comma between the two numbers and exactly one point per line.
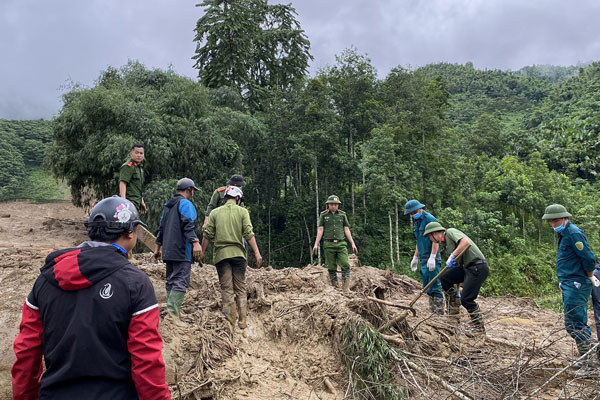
x=575, y=264
x=177, y=242
x=427, y=254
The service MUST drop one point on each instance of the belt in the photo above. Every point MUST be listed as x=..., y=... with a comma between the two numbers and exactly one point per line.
x=476, y=262
x=335, y=240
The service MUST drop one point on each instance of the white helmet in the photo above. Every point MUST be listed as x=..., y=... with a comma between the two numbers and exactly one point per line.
x=234, y=191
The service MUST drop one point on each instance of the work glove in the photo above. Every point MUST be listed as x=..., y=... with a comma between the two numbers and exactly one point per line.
x=595, y=281
x=451, y=263
x=414, y=264
x=431, y=263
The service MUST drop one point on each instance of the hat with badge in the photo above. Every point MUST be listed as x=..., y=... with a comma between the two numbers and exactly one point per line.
x=333, y=199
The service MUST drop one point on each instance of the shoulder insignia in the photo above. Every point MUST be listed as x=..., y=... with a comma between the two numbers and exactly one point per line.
x=221, y=189
x=342, y=211
x=129, y=163
x=579, y=245
x=324, y=212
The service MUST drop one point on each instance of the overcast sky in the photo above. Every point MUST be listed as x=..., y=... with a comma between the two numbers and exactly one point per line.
x=46, y=44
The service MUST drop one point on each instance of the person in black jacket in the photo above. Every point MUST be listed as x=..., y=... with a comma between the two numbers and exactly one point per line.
x=179, y=245
x=94, y=318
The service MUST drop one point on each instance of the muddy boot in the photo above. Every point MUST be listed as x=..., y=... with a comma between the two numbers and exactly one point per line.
x=437, y=305
x=346, y=281
x=477, y=321
x=242, y=312
x=452, y=305
x=230, y=311
x=588, y=365
x=176, y=299
x=333, y=278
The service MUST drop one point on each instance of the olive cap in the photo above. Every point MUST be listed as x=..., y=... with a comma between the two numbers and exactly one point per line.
x=433, y=227
x=554, y=211
x=412, y=205
x=333, y=199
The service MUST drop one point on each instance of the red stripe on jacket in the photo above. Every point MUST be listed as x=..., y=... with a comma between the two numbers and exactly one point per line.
x=147, y=365
x=67, y=272
x=28, y=367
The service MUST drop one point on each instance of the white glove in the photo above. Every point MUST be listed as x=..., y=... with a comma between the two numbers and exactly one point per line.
x=414, y=263
x=431, y=263
x=595, y=281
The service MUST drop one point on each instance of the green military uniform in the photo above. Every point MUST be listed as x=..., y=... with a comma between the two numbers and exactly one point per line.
x=334, y=243
x=217, y=200
x=132, y=173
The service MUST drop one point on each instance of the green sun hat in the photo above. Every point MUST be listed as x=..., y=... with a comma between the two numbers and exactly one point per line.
x=555, y=211
x=333, y=199
x=433, y=227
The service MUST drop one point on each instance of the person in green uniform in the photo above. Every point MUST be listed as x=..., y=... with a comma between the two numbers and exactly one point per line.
x=575, y=264
x=227, y=228
x=218, y=197
x=466, y=264
x=131, y=177
x=334, y=229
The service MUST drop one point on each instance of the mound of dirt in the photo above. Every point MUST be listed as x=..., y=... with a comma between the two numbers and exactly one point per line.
x=295, y=346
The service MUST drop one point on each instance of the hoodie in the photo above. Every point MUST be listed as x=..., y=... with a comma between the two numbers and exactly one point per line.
x=177, y=230
x=94, y=317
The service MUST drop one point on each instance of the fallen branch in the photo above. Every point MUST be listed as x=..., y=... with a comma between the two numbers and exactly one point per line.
x=453, y=390
x=393, y=322
x=393, y=339
x=329, y=386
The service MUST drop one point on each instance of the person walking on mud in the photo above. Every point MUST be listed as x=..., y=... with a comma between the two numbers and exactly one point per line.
x=334, y=228
x=131, y=177
x=94, y=318
x=227, y=228
x=218, y=197
x=575, y=264
x=467, y=265
x=427, y=255
x=178, y=244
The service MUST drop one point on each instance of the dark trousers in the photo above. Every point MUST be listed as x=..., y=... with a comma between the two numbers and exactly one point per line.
x=178, y=275
x=232, y=278
x=472, y=278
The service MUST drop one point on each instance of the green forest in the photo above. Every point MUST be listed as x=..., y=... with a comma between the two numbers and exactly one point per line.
x=485, y=150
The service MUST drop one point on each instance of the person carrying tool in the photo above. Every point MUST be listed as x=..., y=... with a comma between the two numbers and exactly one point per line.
x=426, y=255
x=334, y=228
x=227, y=228
x=178, y=244
x=131, y=177
x=575, y=263
x=93, y=317
x=466, y=264
x=218, y=197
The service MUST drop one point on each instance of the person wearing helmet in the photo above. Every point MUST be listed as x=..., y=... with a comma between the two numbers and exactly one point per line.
x=575, y=264
x=131, y=177
x=427, y=255
x=218, y=197
x=178, y=244
x=94, y=318
x=467, y=265
x=227, y=228
x=334, y=228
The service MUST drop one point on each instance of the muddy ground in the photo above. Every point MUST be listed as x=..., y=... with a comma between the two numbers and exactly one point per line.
x=292, y=348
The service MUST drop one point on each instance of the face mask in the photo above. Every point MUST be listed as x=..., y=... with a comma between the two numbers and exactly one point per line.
x=417, y=215
x=559, y=229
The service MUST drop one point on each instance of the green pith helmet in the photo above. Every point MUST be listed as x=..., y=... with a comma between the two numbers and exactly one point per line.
x=412, y=205
x=433, y=227
x=555, y=211
x=333, y=199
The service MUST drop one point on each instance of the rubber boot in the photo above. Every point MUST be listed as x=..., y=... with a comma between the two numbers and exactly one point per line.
x=242, y=313
x=174, y=302
x=477, y=321
x=588, y=365
x=437, y=305
x=333, y=278
x=452, y=305
x=346, y=281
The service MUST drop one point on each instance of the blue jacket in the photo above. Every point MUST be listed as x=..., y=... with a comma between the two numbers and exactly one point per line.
x=177, y=230
x=423, y=242
x=574, y=256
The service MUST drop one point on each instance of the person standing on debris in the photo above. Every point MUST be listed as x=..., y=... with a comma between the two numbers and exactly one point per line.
x=427, y=255
x=466, y=264
x=94, y=318
x=227, y=228
x=334, y=229
x=218, y=197
x=575, y=263
x=131, y=177
x=178, y=244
